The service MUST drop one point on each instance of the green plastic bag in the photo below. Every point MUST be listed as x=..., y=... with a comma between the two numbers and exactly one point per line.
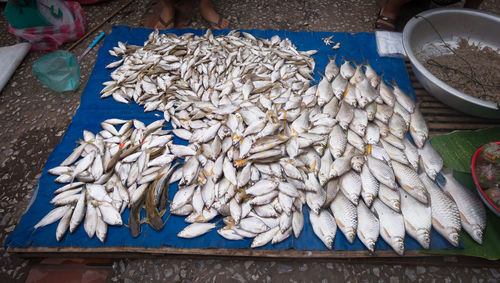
x=58, y=70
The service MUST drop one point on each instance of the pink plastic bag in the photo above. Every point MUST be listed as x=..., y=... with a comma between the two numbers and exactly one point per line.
x=51, y=37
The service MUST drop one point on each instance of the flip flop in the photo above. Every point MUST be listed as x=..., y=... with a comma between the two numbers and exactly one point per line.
x=385, y=23
x=167, y=23
x=151, y=17
x=218, y=24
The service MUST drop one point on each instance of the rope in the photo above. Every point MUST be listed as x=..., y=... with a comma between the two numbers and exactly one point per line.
x=471, y=77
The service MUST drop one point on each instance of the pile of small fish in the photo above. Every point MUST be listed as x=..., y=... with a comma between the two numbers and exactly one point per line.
x=263, y=143
x=118, y=168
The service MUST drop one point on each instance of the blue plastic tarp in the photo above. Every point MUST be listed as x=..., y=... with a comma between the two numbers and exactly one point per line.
x=360, y=47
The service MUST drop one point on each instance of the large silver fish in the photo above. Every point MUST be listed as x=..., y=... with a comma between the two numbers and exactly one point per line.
x=418, y=220
x=445, y=214
x=410, y=182
x=368, y=226
x=472, y=211
x=431, y=160
x=418, y=128
x=382, y=172
x=345, y=214
x=390, y=197
x=392, y=226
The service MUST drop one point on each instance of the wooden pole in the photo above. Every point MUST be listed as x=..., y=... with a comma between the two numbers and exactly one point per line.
x=99, y=25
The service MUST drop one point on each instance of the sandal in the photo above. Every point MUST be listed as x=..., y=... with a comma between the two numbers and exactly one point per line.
x=152, y=18
x=167, y=23
x=218, y=24
x=385, y=23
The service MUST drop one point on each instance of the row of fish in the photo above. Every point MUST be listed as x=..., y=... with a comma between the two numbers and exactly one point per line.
x=263, y=143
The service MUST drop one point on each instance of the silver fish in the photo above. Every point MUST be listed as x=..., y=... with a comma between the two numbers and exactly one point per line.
x=369, y=185
x=386, y=94
x=395, y=153
x=53, y=216
x=417, y=217
x=392, y=226
x=350, y=185
x=410, y=182
x=397, y=125
x=264, y=237
x=365, y=93
x=339, y=86
x=297, y=223
x=384, y=113
x=345, y=115
x=359, y=122
x=431, y=160
x=418, y=128
x=331, y=69
x=390, y=197
x=346, y=70
x=345, y=214
x=337, y=141
x=411, y=153
x=382, y=172
x=63, y=225
x=472, y=211
x=368, y=226
x=445, y=213
x=404, y=99
x=372, y=135
x=195, y=230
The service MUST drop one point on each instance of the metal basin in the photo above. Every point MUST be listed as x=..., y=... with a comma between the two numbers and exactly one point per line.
x=419, y=37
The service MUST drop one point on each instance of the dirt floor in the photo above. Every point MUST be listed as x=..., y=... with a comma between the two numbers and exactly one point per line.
x=34, y=119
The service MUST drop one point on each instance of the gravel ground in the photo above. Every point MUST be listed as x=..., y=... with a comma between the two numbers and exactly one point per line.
x=34, y=119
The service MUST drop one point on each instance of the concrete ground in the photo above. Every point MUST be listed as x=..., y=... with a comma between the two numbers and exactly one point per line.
x=34, y=119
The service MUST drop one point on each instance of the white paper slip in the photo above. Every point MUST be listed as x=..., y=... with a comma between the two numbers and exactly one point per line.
x=390, y=44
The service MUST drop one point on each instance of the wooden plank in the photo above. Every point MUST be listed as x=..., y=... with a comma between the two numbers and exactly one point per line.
x=439, y=111
x=431, y=104
x=454, y=126
x=122, y=251
x=457, y=119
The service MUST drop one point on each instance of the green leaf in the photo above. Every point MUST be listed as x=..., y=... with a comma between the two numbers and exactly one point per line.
x=490, y=249
x=457, y=147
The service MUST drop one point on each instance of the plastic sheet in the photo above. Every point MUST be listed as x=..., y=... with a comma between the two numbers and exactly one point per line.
x=93, y=110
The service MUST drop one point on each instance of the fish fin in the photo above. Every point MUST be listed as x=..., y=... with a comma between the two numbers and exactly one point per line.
x=321, y=73
x=387, y=233
x=218, y=221
x=463, y=218
x=393, y=83
x=340, y=224
x=361, y=233
x=435, y=221
x=409, y=225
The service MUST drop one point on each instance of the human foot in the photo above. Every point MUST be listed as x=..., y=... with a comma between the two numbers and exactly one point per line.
x=166, y=17
x=216, y=20
x=159, y=15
